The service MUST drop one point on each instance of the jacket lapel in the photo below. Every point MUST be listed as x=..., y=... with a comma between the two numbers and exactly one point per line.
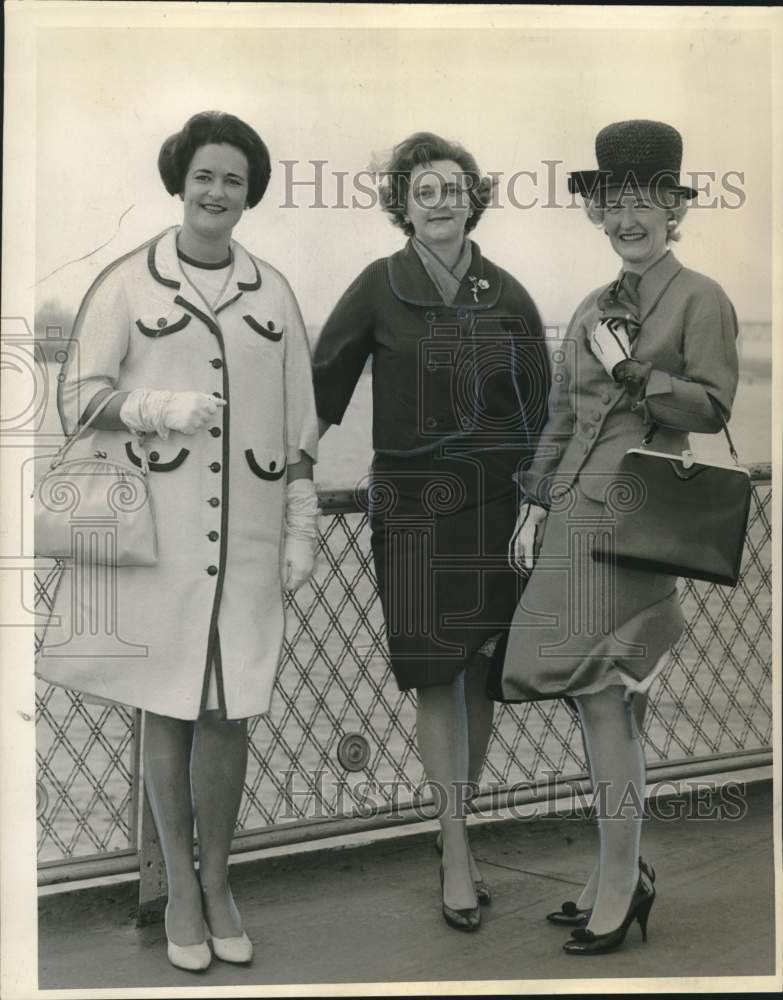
x=654, y=283
x=411, y=283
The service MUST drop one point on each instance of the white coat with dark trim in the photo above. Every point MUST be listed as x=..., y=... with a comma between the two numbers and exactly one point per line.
x=145, y=636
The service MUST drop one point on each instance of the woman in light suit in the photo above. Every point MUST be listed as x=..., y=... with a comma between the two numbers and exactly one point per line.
x=656, y=346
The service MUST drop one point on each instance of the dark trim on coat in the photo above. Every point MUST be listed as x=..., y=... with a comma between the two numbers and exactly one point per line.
x=155, y=332
x=170, y=282
x=273, y=335
x=205, y=265
x=79, y=315
x=251, y=286
x=169, y=466
x=262, y=473
x=214, y=328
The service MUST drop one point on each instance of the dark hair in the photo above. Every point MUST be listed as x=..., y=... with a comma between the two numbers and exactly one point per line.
x=177, y=152
x=422, y=148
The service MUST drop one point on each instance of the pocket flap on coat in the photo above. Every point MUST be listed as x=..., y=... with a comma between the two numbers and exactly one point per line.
x=270, y=329
x=160, y=324
x=266, y=463
x=154, y=457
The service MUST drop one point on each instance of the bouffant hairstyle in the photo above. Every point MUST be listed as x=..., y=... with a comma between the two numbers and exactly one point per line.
x=674, y=202
x=203, y=129
x=425, y=148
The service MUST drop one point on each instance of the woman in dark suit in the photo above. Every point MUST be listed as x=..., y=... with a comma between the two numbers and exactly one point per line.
x=460, y=379
x=656, y=346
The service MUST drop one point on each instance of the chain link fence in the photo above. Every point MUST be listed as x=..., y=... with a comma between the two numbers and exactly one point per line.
x=339, y=741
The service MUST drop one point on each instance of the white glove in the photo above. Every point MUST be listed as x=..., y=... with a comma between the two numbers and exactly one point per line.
x=160, y=411
x=298, y=562
x=610, y=344
x=523, y=547
x=301, y=534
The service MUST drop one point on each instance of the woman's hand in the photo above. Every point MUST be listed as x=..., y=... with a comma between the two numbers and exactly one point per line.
x=610, y=344
x=298, y=562
x=187, y=412
x=525, y=542
x=159, y=411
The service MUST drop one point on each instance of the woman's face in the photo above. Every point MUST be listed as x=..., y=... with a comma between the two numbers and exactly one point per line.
x=438, y=203
x=215, y=192
x=637, y=228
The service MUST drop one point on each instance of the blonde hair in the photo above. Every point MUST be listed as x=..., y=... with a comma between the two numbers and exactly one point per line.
x=674, y=202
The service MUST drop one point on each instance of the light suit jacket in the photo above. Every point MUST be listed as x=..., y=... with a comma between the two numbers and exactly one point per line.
x=688, y=333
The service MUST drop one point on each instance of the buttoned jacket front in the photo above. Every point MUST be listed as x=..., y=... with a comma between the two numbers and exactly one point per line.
x=218, y=495
x=688, y=334
x=474, y=372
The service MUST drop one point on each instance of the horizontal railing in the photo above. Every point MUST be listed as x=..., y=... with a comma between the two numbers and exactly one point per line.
x=337, y=752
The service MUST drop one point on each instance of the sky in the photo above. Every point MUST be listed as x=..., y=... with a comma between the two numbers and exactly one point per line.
x=515, y=96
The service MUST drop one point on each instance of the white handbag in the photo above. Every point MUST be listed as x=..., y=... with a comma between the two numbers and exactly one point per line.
x=95, y=508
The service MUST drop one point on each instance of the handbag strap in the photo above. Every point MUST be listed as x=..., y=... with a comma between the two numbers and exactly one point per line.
x=83, y=428
x=654, y=427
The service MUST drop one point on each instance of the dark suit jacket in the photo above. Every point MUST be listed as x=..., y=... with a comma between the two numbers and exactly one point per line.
x=688, y=333
x=475, y=373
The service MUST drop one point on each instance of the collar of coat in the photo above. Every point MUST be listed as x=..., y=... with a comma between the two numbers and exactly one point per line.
x=479, y=289
x=164, y=267
x=655, y=280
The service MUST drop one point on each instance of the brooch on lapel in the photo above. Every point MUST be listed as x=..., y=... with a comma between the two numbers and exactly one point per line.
x=477, y=285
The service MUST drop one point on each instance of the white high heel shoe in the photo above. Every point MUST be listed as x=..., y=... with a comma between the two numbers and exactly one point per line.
x=191, y=957
x=231, y=949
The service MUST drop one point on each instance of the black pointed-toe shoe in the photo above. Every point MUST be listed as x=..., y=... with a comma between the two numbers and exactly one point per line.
x=570, y=915
x=585, y=942
x=483, y=891
x=466, y=919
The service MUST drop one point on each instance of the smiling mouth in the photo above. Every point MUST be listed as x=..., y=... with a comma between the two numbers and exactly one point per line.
x=632, y=237
x=213, y=209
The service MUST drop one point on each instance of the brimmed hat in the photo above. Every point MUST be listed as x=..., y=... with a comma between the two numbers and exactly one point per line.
x=633, y=155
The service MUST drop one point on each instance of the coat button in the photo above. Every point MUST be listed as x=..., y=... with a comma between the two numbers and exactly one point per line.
x=430, y=422
x=272, y=466
x=596, y=415
x=212, y=570
x=606, y=398
x=161, y=322
x=217, y=395
x=213, y=536
x=154, y=456
x=215, y=432
x=591, y=432
x=213, y=502
x=270, y=325
x=216, y=363
x=215, y=467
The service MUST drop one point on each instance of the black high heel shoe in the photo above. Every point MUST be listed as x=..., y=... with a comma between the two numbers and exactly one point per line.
x=466, y=919
x=585, y=942
x=483, y=891
x=570, y=915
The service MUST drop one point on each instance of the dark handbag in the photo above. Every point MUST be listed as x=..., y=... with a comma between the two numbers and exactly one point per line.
x=676, y=515
x=95, y=508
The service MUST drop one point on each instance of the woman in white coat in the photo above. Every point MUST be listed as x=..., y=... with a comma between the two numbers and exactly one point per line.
x=206, y=351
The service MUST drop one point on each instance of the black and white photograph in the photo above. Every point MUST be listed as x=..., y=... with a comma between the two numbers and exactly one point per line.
x=390, y=454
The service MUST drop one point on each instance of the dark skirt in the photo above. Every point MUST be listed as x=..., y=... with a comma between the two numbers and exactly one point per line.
x=583, y=625
x=440, y=533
